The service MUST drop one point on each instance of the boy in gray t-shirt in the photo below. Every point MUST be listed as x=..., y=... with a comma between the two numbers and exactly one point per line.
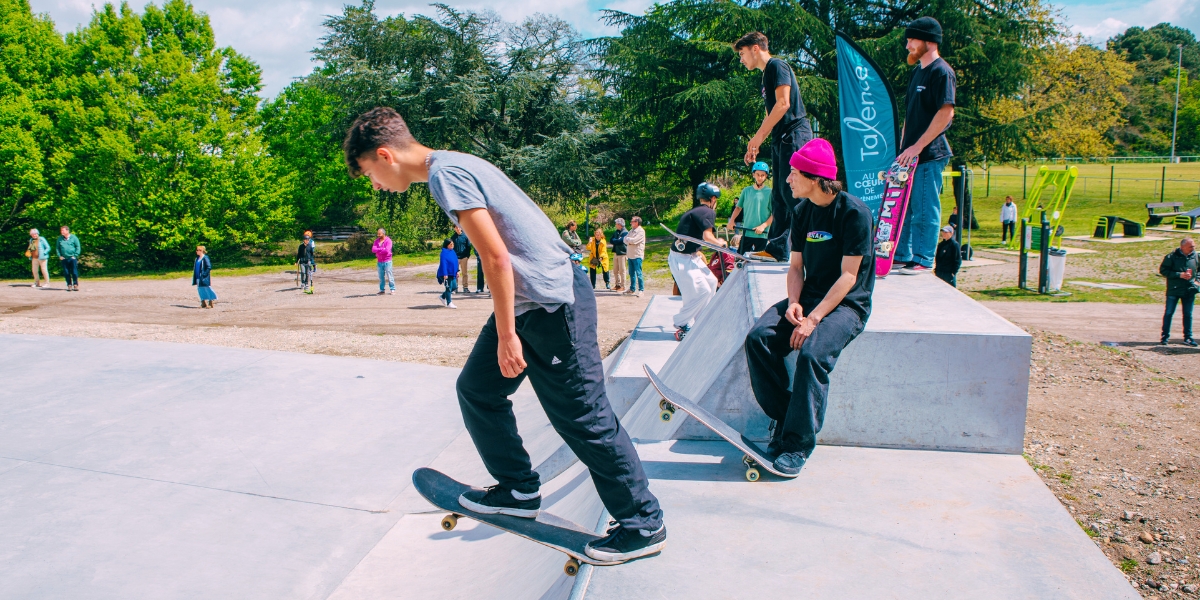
x=543, y=326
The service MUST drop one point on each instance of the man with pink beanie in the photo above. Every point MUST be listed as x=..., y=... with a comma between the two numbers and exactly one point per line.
x=829, y=285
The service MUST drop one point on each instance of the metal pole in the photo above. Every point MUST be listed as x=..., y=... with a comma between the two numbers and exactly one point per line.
x=1112, y=171
x=1162, y=186
x=988, y=193
x=1175, y=123
x=1023, y=271
x=1024, y=178
x=1044, y=258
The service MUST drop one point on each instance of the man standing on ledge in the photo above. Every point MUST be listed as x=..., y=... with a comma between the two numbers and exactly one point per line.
x=929, y=112
x=786, y=121
x=829, y=285
x=543, y=326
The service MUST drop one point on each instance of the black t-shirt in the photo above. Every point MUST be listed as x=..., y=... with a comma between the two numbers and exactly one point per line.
x=929, y=90
x=948, y=258
x=775, y=74
x=824, y=234
x=694, y=223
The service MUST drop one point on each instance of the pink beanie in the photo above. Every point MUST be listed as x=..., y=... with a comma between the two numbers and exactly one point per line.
x=816, y=158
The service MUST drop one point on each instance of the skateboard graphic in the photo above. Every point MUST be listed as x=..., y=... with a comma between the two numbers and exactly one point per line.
x=891, y=214
x=548, y=530
x=754, y=458
x=681, y=241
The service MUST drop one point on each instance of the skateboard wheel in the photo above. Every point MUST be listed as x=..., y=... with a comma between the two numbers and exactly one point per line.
x=449, y=522
x=751, y=474
x=571, y=568
x=902, y=176
x=662, y=404
x=665, y=416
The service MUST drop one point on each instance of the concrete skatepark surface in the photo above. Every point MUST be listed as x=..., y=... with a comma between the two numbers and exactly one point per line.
x=192, y=471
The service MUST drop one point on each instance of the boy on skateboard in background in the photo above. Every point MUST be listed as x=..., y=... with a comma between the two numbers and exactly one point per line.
x=829, y=285
x=543, y=326
x=697, y=285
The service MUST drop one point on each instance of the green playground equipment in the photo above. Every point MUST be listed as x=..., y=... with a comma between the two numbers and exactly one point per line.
x=1106, y=226
x=1063, y=182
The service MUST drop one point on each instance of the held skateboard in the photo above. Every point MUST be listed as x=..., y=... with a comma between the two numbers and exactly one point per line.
x=672, y=400
x=681, y=242
x=548, y=530
x=891, y=214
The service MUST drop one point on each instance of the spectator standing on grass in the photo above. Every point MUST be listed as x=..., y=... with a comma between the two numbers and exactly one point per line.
x=635, y=248
x=571, y=237
x=383, y=261
x=754, y=206
x=69, y=250
x=929, y=113
x=1180, y=267
x=462, y=249
x=38, y=253
x=1008, y=219
x=597, y=248
x=949, y=258
x=955, y=221
x=202, y=278
x=620, y=251
x=447, y=273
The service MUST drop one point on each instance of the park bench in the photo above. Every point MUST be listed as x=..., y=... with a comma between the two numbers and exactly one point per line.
x=1107, y=225
x=1156, y=218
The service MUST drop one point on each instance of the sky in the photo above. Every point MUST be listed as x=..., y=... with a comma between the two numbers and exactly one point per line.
x=280, y=35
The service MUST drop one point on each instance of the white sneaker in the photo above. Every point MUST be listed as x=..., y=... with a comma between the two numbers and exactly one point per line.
x=443, y=301
x=391, y=292
x=451, y=305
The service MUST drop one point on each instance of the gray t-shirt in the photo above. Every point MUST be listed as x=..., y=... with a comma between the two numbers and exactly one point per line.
x=540, y=260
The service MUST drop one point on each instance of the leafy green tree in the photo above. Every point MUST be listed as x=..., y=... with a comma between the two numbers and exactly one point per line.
x=1151, y=92
x=156, y=146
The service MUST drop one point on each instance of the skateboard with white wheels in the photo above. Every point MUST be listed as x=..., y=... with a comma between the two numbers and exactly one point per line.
x=681, y=242
x=548, y=530
x=753, y=458
x=891, y=214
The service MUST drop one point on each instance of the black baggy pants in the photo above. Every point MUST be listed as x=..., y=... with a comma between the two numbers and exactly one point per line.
x=1188, y=302
x=783, y=146
x=565, y=368
x=801, y=411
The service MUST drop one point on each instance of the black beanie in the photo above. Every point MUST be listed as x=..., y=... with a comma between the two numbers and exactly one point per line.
x=924, y=28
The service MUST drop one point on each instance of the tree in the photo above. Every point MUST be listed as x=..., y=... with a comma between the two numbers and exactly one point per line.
x=1073, y=99
x=1151, y=92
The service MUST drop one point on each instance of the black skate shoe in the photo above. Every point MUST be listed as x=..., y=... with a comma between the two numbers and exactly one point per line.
x=681, y=332
x=790, y=463
x=498, y=500
x=623, y=544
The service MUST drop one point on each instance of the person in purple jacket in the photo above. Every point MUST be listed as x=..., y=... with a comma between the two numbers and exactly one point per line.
x=383, y=257
x=447, y=272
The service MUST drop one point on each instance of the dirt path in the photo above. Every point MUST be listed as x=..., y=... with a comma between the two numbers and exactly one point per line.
x=343, y=317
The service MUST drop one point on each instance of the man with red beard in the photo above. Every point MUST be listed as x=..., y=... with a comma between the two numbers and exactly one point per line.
x=930, y=110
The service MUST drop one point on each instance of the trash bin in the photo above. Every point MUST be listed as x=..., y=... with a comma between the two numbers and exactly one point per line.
x=1056, y=264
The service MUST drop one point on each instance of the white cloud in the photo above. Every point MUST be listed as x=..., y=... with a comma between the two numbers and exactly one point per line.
x=279, y=36
x=1098, y=21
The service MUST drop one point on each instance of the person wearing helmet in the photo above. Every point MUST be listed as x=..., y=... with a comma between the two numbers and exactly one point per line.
x=754, y=206
x=830, y=278
x=696, y=282
x=306, y=261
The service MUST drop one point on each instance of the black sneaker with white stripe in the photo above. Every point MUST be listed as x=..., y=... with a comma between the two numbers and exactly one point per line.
x=499, y=500
x=622, y=544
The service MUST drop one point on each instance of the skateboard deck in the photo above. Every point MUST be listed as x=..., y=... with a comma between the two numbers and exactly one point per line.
x=891, y=214
x=754, y=458
x=548, y=530
x=680, y=240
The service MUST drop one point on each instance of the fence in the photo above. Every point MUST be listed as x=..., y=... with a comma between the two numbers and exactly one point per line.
x=1114, y=159
x=1103, y=184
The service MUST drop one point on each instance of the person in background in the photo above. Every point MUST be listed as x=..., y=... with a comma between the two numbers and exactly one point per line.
x=597, y=248
x=462, y=249
x=38, y=253
x=722, y=264
x=571, y=237
x=202, y=278
x=383, y=261
x=479, y=282
x=1008, y=219
x=949, y=257
x=635, y=247
x=1180, y=267
x=69, y=250
x=754, y=206
x=620, y=249
x=955, y=220
x=306, y=261
x=929, y=114
x=447, y=273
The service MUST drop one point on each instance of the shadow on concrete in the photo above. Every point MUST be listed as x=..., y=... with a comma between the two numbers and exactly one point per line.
x=426, y=307
x=362, y=295
x=184, y=306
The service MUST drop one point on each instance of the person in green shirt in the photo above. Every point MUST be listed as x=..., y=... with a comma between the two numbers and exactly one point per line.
x=754, y=204
x=68, y=252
